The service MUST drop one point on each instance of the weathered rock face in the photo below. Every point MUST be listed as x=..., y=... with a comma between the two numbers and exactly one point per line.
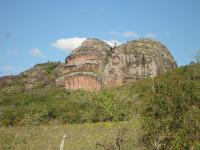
x=95, y=65
x=137, y=60
x=85, y=65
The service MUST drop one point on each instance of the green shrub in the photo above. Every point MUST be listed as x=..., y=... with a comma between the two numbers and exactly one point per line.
x=64, y=106
x=171, y=110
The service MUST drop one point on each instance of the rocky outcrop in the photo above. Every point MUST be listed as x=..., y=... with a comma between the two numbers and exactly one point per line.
x=95, y=65
x=85, y=65
x=136, y=60
x=6, y=80
x=41, y=75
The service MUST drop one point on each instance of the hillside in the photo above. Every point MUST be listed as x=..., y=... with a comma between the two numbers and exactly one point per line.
x=168, y=106
x=41, y=75
x=33, y=94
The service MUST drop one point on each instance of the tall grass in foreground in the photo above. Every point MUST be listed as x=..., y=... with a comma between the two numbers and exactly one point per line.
x=89, y=136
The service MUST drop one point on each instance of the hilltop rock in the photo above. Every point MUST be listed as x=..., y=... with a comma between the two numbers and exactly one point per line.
x=85, y=65
x=136, y=60
x=95, y=65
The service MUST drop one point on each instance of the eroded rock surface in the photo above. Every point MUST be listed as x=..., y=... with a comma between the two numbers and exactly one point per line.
x=85, y=65
x=95, y=65
x=137, y=60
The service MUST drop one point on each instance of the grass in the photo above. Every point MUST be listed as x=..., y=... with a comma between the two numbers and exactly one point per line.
x=89, y=136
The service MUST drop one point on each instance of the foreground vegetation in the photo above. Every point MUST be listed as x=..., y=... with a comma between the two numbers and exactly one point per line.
x=41, y=106
x=167, y=109
x=123, y=135
x=170, y=107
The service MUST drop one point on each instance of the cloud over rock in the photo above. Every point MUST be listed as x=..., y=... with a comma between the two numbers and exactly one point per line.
x=68, y=44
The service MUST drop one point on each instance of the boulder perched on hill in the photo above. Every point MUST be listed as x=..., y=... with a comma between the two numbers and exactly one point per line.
x=85, y=65
x=95, y=65
x=136, y=60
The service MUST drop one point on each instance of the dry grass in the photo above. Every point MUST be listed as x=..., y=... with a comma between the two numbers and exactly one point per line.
x=78, y=136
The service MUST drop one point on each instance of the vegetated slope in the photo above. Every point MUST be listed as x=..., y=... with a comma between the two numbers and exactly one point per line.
x=169, y=106
x=33, y=98
x=40, y=76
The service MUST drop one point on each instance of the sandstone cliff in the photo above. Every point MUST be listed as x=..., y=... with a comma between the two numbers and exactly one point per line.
x=95, y=65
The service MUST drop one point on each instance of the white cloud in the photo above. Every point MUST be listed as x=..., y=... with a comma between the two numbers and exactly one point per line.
x=114, y=32
x=68, y=43
x=11, y=52
x=151, y=35
x=8, y=68
x=167, y=33
x=36, y=52
x=129, y=34
x=126, y=34
x=72, y=43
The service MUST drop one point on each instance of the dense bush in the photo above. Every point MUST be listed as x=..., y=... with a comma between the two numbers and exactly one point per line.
x=110, y=106
x=40, y=106
x=171, y=110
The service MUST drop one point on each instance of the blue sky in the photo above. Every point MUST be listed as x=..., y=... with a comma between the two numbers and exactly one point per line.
x=35, y=31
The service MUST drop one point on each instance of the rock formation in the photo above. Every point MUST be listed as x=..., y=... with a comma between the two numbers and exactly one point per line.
x=137, y=60
x=85, y=65
x=95, y=65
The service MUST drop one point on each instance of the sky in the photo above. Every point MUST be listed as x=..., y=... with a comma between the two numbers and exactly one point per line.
x=37, y=31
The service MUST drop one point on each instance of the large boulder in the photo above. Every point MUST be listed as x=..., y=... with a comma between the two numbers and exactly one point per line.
x=85, y=65
x=136, y=60
x=95, y=64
